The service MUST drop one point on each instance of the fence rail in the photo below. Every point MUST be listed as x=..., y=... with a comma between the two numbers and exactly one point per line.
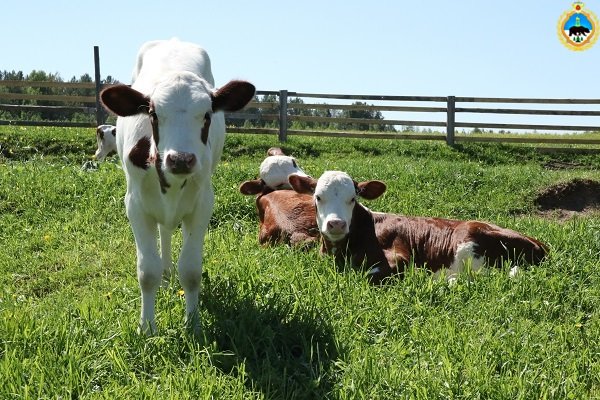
x=283, y=113
x=288, y=110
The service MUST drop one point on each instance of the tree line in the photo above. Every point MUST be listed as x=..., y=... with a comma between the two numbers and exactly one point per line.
x=262, y=117
x=256, y=117
x=41, y=114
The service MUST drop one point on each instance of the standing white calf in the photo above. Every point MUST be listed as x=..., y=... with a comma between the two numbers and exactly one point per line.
x=171, y=136
x=106, y=138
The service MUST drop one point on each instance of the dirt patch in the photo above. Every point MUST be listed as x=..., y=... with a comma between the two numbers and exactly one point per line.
x=559, y=165
x=569, y=198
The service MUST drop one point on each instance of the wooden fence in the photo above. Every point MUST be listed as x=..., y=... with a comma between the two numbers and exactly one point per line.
x=91, y=104
x=282, y=113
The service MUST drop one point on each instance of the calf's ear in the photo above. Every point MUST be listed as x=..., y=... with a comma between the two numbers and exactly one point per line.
x=275, y=151
x=233, y=96
x=302, y=184
x=124, y=101
x=252, y=187
x=370, y=189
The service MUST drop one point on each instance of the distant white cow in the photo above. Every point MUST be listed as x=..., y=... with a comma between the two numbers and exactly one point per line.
x=273, y=173
x=171, y=135
x=106, y=138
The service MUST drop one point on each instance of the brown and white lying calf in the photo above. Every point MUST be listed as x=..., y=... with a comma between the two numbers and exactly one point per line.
x=387, y=243
x=273, y=173
x=284, y=215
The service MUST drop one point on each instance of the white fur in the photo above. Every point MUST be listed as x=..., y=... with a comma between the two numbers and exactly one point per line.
x=177, y=77
x=335, y=197
x=107, y=144
x=464, y=256
x=274, y=171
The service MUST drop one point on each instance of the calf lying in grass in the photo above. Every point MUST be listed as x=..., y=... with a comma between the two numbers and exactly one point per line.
x=273, y=173
x=387, y=243
x=284, y=215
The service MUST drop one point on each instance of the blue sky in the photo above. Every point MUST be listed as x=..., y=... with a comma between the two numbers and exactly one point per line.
x=503, y=48
x=582, y=20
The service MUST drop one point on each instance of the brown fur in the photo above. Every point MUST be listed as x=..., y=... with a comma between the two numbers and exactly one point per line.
x=386, y=243
x=391, y=242
x=140, y=153
x=286, y=217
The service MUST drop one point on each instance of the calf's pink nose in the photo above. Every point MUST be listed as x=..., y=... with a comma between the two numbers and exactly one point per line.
x=181, y=162
x=336, y=225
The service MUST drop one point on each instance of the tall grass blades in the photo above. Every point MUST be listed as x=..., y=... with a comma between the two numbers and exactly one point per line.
x=283, y=323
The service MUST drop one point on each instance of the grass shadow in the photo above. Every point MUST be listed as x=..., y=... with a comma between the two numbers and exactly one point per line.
x=285, y=351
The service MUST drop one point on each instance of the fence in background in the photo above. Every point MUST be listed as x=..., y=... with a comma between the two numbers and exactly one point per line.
x=90, y=104
x=282, y=113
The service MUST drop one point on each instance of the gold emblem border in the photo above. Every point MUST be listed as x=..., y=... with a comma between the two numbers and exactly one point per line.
x=588, y=42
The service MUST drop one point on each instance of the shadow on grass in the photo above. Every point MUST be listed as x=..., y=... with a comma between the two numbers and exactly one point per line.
x=287, y=351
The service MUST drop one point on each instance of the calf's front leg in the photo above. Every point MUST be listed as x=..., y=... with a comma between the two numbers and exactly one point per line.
x=194, y=228
x=149, y=265
x=165, y=235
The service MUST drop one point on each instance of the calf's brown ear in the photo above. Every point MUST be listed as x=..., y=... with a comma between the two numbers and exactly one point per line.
x=124, y=101
x=370, y=190
x=233, y=96
x=302, y=184
x=255, y=186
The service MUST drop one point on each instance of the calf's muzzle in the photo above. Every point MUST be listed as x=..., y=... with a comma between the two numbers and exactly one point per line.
x=180, y=162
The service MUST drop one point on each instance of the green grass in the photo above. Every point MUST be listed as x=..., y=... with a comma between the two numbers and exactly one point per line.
x=279, y=323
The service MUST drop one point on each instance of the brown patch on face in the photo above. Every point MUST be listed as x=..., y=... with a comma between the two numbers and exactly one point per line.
x=154, y=123
x=205, y=128
x=99, y=133
x=140, y=153
x=162, y=180
x=114, y=131
x=156, y=157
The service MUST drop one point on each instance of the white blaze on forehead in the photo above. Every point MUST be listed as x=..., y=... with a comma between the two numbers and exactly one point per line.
x=181, y=101
x=335, y=198
x=274, y=171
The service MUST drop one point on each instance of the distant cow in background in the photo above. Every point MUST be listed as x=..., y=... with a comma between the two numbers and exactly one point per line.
x=171, y=135
x=273, y=173
x=284, y=215
x=387, y=243
x=106, y=138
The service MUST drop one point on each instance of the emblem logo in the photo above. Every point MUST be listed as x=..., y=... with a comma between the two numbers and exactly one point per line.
x=578, y=28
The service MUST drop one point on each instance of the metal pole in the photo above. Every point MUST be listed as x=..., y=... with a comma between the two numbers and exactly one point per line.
x=99, y=109
x=283, y=95
x=450, y=121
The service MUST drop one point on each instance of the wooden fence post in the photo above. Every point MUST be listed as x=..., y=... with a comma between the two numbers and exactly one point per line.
x=283, y=95
x=99, y=109
x=450, y=120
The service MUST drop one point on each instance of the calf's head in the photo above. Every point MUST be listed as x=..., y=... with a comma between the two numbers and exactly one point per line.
x=335, y=195
x=179, y=110
x=106, y=140
x=273, y=173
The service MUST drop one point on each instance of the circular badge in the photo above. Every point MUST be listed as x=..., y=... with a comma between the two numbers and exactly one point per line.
x=577, y=28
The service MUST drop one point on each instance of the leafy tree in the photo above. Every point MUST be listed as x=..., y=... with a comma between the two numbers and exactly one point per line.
x=47, y=114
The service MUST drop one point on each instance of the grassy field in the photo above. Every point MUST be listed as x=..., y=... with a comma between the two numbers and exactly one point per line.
x=279, y=323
